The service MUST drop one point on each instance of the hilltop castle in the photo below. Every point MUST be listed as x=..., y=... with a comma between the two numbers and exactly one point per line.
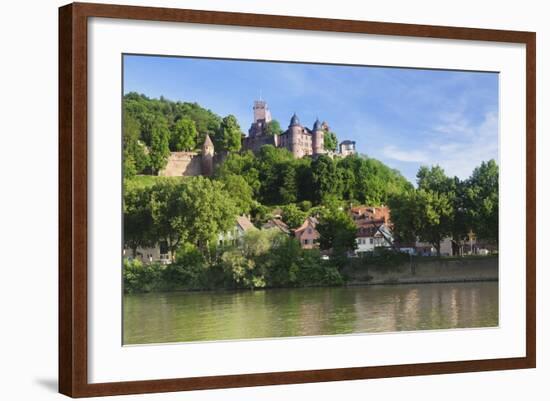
x=299, y=140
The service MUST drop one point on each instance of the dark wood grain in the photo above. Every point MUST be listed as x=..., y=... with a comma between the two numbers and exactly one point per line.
x=73, y=358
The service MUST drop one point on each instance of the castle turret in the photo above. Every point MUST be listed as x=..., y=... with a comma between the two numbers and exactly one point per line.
x=295, y=130
x=318, y=139
x=207, y=161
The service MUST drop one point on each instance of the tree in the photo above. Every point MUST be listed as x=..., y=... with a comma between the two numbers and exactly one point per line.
x=246, y=263
x=422, y=214
x=167, y=211
x=337, y=232
x=288, y=188
x=228, y=136
x=184, y=135
x=326, y=179
x=293, y=216
x=208, y=211
x=273, y=128
x=194, y=210
x=330, y=141
x=276, y=175
x=434, y=179
x=160, y=149
x=135, y=155
x=244, y=165
x=138, y=219
x=482, y=200
x=240, y=191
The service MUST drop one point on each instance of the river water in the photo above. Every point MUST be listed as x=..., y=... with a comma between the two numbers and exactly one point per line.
x=224, y=315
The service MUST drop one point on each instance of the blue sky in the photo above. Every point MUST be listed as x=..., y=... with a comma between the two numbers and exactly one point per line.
x=403, y=117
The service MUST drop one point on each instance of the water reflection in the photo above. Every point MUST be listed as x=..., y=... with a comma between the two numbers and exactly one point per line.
x=170, y=317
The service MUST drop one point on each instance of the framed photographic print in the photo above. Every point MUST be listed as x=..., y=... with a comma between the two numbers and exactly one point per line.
x=252, y=200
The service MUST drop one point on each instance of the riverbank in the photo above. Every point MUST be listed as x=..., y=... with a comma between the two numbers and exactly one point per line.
x=425, y=271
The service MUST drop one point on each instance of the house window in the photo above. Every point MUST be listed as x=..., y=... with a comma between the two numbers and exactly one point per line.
x=305, y=242
x=372, y=241
x=309, y=231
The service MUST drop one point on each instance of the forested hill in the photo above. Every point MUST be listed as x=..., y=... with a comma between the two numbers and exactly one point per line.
x=147, y=111
x=154, y=127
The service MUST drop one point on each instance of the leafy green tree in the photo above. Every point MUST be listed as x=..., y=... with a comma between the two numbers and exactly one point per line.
x=240, y=191
x=330, y=141
x=293, y=216
x=422, y=214
x=138, y=219
x=434, y=179
x=135, y=155
x=208, y=211
x=482, y=200
x=277, y=180
x=273, y=128
x=337, y=232
x=168, y=210
x=246, y=263
x=283, y=262
x=228, y=136
x=160, y=150
x=288, y=188
x=326, y=178
x=242, y=164
x=184, y=135
x=139, y=277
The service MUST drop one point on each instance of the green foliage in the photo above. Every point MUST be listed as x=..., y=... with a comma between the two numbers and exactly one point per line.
x=293, y=216
x=245, y=262
x=228, y=136
x=314, y=271
x=337, y=232
x=277, y=176
x=273, y=128
x=136, y=159
x=209, y=210
x=326, y=178
x=482, y=200
x=138, y=219
x=244, y=165
x=244, y=195
x=146, y=110
x=194, y=210
x=139, y=277
x=184, y=135
x=330, y=141
x=160, y=150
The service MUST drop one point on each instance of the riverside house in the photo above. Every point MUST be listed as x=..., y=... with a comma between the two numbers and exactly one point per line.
x=307, y=235
x=233, y=236
x=373, y=228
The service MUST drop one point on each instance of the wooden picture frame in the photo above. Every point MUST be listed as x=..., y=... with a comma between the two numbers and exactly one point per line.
x=73, y=195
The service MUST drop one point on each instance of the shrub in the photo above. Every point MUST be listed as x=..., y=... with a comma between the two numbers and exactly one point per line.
x=139, y=277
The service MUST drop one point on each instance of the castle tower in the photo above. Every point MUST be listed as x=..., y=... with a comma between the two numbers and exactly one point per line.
x=261, y=112
x=207, y=160
x=318, y=139
x=295, y=131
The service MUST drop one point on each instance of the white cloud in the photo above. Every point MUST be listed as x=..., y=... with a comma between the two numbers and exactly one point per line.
x=405, y=155
x=466, y=147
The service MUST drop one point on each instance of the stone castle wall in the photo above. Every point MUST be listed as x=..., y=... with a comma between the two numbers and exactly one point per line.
x=254, y=143
x=183, y=164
